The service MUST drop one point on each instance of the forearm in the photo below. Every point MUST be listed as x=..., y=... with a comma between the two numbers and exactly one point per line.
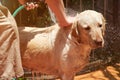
x=57, y=7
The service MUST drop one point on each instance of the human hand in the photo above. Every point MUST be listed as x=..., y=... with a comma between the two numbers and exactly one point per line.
x=31, y=5
x=67, y=21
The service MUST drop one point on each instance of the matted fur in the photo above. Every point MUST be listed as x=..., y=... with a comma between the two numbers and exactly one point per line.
x=62, y=51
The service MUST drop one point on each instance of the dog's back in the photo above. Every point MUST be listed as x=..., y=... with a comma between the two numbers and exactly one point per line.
x=37, y=45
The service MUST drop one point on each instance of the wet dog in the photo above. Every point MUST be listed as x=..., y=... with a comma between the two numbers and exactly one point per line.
x=62, y=51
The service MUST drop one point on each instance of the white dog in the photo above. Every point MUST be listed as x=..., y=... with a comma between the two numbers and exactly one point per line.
x=62, y=51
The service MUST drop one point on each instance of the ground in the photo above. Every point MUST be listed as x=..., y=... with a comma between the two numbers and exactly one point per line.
x=105, y=73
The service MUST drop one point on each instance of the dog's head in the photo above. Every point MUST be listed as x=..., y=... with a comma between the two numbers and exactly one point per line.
x=90, y=28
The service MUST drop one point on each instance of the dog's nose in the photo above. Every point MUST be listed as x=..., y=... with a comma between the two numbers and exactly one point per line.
x=99, y=43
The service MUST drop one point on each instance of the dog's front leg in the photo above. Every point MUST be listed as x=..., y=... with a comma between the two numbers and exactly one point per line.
x=67, y=76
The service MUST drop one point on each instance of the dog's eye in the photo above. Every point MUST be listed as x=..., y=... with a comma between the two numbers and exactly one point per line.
x=87, y=28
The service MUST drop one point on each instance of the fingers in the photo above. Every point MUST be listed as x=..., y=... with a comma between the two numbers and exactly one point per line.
x=30, y=6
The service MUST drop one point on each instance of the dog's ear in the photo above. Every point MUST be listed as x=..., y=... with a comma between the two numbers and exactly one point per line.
x=104, y=23
x=76, y=31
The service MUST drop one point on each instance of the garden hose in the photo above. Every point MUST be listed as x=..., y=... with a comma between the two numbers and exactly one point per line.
x=22, y=7
x=18, y=10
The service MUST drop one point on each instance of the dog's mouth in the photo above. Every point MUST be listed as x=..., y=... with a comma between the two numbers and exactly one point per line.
x=96, y=44
x=99, y=44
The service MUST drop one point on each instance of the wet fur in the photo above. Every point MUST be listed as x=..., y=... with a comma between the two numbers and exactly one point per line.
x=61, y=51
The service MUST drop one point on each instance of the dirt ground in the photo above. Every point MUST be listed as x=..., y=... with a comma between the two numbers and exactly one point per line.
x=106, y=73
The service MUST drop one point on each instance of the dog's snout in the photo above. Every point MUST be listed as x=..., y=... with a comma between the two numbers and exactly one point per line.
x=99, y=43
